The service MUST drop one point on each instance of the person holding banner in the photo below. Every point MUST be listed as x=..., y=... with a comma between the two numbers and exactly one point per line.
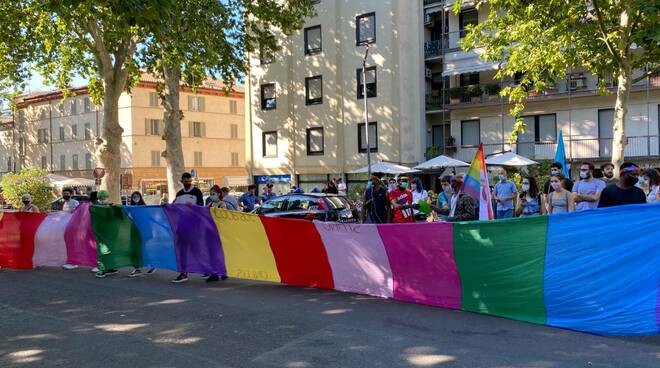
x=401, y=199
x=376, y=205
x=626, y=190
x=462, y=206
x=419, y=194
x=28, y=206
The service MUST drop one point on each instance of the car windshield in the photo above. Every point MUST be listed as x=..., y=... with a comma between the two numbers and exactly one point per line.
x=301, y=203
x=274, y=205
x=338, y=203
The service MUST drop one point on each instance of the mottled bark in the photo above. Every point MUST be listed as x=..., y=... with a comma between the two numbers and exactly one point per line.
x=172, y=133
x=108, y=145
x=619, y=140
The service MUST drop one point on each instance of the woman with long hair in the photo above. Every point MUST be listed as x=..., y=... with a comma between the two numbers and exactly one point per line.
x=651, y=177
x=561, y=200
x=137, y=200
x=419, y=194
x=530, y=200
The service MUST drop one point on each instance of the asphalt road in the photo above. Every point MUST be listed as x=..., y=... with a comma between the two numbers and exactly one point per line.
x=57, y=318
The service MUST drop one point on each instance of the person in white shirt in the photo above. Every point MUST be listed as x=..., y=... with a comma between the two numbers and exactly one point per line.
x=341, y=187
x=419, y=194
x=69, y=206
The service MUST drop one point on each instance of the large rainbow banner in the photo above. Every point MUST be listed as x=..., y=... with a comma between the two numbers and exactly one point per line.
x=596, y=271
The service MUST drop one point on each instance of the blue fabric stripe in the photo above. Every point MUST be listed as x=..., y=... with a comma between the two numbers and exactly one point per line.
x=156, y=234
x=602, y=270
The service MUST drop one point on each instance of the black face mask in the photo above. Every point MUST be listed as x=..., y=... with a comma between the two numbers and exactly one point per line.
x=187, y=186
x=66, y=197
x=26, y=202
x=631, y=181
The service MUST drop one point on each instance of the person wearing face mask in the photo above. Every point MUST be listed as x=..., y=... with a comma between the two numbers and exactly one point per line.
x=559, y=200
x=651, y=178
x=391, y=185
x=401, y=201
x=557, y=168
x=625, y=191
x=375, y=208
x=28, y=206
x=190, y=194
x=504, y=194
x=419, y=194
x=215, y=198
x=462, y=207
x=443, y=202
x=530, y=200
x=587, y=191
x=608, y=173
x=70, y=204
x=137, y=200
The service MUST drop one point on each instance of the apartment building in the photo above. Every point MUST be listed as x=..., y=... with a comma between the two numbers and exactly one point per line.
x=6, y=144
x=306, y=102
x=425, y=97
x=58, y=135
x=463, y=108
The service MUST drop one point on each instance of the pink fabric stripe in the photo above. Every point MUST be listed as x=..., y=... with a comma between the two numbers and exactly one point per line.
x=422, y=259
x=49, y=244
x=358, y=258
x=80, y=239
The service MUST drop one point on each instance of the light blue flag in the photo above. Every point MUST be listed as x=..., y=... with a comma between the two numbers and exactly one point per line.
x=560, y=155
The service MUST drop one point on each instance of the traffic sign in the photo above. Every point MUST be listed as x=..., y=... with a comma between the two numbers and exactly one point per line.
x=99, y=172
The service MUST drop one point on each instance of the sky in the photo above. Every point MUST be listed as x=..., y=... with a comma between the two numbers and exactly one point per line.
x=37, y=83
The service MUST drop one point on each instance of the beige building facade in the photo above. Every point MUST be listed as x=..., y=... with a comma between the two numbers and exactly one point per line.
x=58, y=135
x=426, y=97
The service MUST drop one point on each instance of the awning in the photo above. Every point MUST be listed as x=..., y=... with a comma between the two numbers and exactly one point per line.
x=509, y=159
x=385, y=168
x=74, y=182
x=236, y=181
x=461, y=62
x=441, y=162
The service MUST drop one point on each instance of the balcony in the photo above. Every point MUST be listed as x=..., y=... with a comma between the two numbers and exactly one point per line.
x=433, y=2
x=595, y=149
x=435, y=103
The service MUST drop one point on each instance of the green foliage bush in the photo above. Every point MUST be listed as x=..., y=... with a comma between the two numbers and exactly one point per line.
x=31, y=181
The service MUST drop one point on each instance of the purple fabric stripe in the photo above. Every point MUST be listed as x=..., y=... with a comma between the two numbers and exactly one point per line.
x=421, y=256
x=80, y=239
x=196, y=239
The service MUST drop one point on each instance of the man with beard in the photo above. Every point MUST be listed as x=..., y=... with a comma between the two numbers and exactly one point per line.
x=624, y=191
x=608, y=174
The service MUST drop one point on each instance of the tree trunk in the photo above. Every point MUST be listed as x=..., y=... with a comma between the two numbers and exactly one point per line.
x=108, y=145
x=619, y=140
x=172, y=134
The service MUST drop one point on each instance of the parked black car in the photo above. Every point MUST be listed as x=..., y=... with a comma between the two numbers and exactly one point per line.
x=310, y=206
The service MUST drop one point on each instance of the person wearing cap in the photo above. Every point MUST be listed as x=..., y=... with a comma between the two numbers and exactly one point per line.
x=624, y=191
x=103, y=196
x=401, y=201
x=28, y=206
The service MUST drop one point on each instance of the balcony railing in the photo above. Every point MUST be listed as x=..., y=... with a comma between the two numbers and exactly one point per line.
x=434, y=103
x=643, y=146
x=431, y=2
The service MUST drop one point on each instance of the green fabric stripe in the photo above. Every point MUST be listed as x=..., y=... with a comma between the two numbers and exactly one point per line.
x=500, y=264
x=117, y=238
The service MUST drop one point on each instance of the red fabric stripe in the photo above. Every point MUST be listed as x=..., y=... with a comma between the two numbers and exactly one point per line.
x=299, y=252
x=17, y=232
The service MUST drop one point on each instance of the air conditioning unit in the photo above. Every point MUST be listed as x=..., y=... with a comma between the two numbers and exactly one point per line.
x=428, y=20
x=428, y=73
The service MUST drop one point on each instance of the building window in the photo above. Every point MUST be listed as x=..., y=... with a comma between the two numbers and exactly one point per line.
x=74, y=162
x=153, y=99
x=9, y=167
x=269, y=144
x=196, y=103
x=62, y=133
x=371, y=83
x=466, y=18
x=469, y=79
x=365, y=28
x=314, y=90
x=265, y=57
x=88, y=161
x=233, y=107
x=21, y=146
x=315, y=142
x=74, y=132
x=88, y=131
x=87, y=104
x=155, y=158
x=441, y=134
x=62, y=162
x=268, y=100
x=197, y=129
x=313, y=40
x=42, y=136
x=373, y=137
x=198, y=159
x=234, y=131
x=470, y=132
x=153, y=127
x=74, y=107
x=44, y=162
x=605, y=124
x=234, y=159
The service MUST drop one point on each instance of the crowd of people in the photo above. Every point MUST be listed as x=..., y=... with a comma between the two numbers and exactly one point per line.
x=398, y=200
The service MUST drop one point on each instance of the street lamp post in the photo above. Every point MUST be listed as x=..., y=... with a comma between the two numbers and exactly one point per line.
x=366, y=110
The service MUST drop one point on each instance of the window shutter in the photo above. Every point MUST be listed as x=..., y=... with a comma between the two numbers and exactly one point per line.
x=146, y=127
x=201, y=103
x=190, y=103
x=203, y=129
x=162, y=127
x=191, y=129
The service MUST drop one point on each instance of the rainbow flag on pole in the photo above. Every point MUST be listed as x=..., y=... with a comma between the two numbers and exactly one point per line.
x=476, y=185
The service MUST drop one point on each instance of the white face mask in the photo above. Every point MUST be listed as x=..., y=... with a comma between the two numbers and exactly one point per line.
x=554, y=171
x=525, y=187
x=642, y=181
x=136, y=199
x=584, y=174
x=555, y=185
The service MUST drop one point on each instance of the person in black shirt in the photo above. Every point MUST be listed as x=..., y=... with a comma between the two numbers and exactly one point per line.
x=555, y=169
x=376, y=204
x=624, y=191
x=188, y=195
